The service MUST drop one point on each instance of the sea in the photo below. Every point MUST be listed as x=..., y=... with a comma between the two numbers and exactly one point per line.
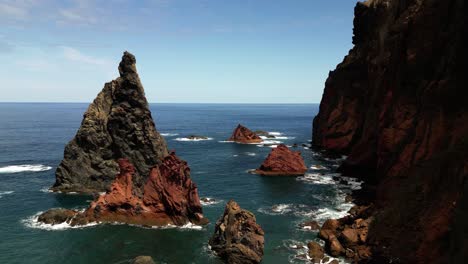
x=32, y=140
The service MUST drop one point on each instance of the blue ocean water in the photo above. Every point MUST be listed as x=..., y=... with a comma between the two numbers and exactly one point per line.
x=32, y=139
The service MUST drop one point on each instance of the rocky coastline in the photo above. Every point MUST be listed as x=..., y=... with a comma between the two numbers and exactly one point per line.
x=396, y=107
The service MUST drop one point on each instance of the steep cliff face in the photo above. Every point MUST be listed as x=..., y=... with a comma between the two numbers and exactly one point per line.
x=397, y=106
x=118, y=124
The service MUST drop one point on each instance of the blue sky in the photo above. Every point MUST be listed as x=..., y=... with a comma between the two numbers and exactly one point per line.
x=205, y=51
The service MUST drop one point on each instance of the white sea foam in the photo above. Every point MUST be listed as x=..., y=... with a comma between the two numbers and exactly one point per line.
x=194, y=139
x=275, y=133
x=169, y=134
x=250, y=154
x=317, y=178
x=46, y=190
x=207, y=201
x=5, y=193
x=275, y=137
x=287, y=209
x=318, y=167
x=24, y=168
x=32, y=222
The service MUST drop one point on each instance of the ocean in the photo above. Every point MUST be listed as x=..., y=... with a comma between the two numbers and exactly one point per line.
x=32, y=139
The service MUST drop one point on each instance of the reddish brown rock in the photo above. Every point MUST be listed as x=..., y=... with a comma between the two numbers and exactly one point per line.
x=316, y=252
x=169, y=197
x=238, y=239
x=397, y=106
x=283, y=162
x=244, y=135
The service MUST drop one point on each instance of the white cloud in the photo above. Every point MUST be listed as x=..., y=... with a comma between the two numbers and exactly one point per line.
x=75, y=55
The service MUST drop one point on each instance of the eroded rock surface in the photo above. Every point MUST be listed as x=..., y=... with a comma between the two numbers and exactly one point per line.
x=117, y=124
x=397, y=106
x=244, y=135
x=282, y=162
x=238, y=239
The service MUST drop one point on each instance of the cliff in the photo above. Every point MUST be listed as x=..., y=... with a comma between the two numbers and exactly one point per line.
x=397, y=106
x=117, y=124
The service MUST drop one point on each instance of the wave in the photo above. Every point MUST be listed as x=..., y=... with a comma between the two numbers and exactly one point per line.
x=33, y=222
x=206, y=201
x=273, y=133
x=5, y=193
x=24, y=168
x=317, y=178
x=169, y=134
x=275, y=137
x=190, y=139
x=250, y=154
x=300, y=210
x=319, y=167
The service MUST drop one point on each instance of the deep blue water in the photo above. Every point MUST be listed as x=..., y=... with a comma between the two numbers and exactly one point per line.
x=36, y=133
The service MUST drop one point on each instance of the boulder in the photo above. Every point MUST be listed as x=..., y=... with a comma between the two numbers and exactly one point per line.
x=244, y=135
x=334, y=246
x=143, y=260
x=117, y=124
x=238, y=238
x=282, y=162
x=312, y=225
x=57, y=216
x=316, y=251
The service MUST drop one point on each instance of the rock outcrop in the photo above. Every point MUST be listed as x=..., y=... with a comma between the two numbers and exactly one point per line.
x=117, y=124
x=282, y=162
x=143, y=260
x=244, y=135
x=397, y=106
x=169, y=198
x=238, y=239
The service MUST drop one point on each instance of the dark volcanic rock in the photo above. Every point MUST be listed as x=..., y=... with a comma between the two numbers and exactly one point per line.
x=118, y=124
x=284, y=162
x=238, y=239
x=244, y=135
x=57, y=216
x=397, y=106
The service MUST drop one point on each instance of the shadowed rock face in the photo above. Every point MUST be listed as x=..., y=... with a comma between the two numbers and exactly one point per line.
x=244, y=135
x=238, y=239
x=397, y=106
x=117, y=124
x=283, y=162
x=169, y=198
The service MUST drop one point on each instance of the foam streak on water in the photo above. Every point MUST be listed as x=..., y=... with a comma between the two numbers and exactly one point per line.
x=190, y=139
x=24, y=168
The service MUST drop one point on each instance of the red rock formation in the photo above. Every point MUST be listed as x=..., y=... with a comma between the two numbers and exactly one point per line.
x=244, y=135
x=284, y=162
x=397, y=106
x=170, y=197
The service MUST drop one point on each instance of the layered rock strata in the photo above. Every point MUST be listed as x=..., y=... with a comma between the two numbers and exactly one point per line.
x=238, y=239
x=117, y=124
x=397, y=106
x=282, y=162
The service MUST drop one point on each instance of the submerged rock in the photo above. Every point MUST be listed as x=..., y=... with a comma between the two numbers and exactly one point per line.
x=244, y=135
x=117, y=124
x=282, y=162
x=238, y=239
x=195, y=137
x=143, y=260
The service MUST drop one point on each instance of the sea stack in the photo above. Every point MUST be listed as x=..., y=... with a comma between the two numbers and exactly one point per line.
x=117, y=124
x=152, y=187
x=397, y=106
x=282, y=162
x=238, y=239
x=244, y=135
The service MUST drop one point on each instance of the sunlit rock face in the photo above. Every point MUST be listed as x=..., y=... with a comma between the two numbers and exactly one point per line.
x=397, y=106
x=118, y=124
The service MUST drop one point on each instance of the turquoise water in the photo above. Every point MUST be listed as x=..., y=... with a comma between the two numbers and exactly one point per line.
x=34, y=135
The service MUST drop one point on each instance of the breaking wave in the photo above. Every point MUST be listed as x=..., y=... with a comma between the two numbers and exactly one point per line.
x=169, y=134
x=191, y=139
x=209, y=201
x=5, y=193
x=24, y=168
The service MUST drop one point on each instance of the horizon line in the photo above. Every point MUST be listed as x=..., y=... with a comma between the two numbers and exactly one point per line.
x=65, y=102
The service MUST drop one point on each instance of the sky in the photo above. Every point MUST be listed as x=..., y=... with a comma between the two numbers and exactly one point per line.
x=187, y=51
